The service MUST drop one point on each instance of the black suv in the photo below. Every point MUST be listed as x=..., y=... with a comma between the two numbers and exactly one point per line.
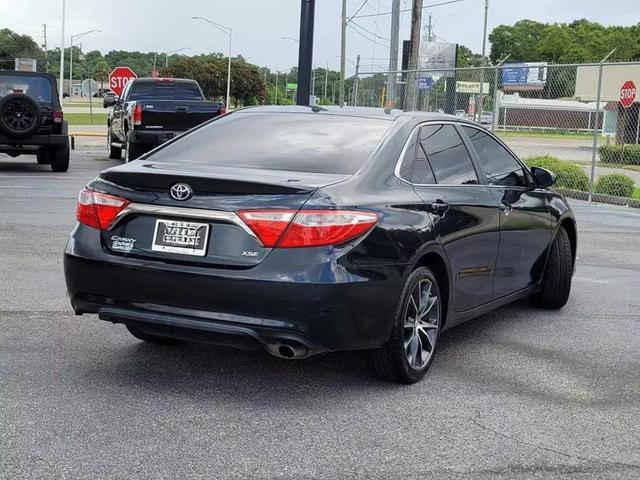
x=31, y=120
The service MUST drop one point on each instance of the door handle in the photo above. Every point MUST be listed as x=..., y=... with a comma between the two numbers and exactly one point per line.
x=506, y=207
x=438, y=207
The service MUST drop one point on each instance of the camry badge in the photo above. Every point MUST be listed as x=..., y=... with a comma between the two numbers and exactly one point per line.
x=181, y=192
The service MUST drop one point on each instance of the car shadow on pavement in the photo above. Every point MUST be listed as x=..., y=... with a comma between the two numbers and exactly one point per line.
x=22, y=166
x=225, y=373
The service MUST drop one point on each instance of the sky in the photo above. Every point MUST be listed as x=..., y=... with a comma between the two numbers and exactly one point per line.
x=259, y=25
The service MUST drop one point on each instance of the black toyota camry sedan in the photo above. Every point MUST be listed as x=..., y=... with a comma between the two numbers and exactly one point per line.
x=306, y=230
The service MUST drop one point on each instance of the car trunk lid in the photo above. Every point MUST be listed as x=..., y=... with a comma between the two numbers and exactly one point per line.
x=218, y=193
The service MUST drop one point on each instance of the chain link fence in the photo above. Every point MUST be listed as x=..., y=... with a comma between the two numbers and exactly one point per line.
x=582, y=121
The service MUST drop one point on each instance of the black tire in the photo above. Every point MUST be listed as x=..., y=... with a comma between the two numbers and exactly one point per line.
x=147, y=337
x=131, y=150
x=556, y=280
x=60, y=158
x=20, y=115
x=44, y=156
x=115, y=153
x=390, y=361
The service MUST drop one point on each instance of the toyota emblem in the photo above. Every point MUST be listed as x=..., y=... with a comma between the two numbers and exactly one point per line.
x=181, y=192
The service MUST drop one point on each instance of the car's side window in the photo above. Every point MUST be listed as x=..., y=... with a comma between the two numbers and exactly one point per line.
x=407, y=160
x=447, y=155
x=422, y=174
x=495, y=161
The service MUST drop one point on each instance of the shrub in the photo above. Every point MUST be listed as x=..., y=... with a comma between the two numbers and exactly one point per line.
x=625, y=154
x=568, y=175
x=615, y=184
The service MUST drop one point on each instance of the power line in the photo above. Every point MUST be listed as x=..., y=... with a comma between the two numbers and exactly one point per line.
x=370, y=32
x=460, y=13
x=357, y=11
x=353, y=25
x=408, y=9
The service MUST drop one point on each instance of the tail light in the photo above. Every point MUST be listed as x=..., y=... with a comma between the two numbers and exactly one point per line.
x=307, y=228
x=98, y=210
x=58, y=117
x=137, y=114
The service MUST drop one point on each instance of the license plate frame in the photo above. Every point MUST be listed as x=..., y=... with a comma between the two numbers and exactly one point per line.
x=181, y=237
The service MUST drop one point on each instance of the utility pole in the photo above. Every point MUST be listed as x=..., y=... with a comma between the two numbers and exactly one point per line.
x=484, y=49
x=313, y=80
x=286, y=82
x=326, y=80
x=46, y=51
x=61, y=86
x=355, y=82
x=429, y=37
x=410, y=90
x=276, y=99
x=393, y=54
x=343, y=52
x=305, y=52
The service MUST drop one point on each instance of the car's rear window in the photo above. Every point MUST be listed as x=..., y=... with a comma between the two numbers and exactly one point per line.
x=162, y=90
x=298, y=142
x=38, y=88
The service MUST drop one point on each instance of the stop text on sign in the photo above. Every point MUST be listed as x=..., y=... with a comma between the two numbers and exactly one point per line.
x=118, y=82
x=119, y=77
x=628, y=93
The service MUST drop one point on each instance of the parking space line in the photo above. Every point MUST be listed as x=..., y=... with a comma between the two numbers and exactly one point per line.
x=44, y=175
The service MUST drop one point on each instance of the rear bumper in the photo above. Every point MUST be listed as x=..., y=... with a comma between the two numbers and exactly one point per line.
x=43, y=140
x=153, y=138
x=261, y=306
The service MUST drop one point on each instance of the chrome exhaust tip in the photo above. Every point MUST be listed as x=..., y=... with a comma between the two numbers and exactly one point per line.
x=288, y=350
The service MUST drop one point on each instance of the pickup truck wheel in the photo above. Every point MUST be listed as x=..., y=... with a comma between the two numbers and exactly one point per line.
x=131, y=150
x=44, y=156
x=115, y=153
x=60, y=158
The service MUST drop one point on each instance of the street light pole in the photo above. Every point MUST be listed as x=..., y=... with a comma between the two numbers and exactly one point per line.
x=166, y=55
x=343, y=52
x=305, y=51
x=227, y=31
x=74, y=37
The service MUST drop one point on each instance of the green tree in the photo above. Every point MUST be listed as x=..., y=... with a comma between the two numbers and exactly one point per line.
x=247, y=84
x=14, y=45
x=466, y=58
x=575, y=42
x=519, y=40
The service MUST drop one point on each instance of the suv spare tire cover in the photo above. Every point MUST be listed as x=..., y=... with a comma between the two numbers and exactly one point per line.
x=20, y=115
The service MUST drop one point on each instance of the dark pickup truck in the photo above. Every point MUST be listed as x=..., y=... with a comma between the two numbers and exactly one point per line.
x=151, y=111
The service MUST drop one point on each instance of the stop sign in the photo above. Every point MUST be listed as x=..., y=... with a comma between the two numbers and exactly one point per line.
x=119, y=78
x=628, y=93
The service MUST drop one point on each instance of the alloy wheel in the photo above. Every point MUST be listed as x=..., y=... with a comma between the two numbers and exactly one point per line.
x=421, y=323
x=19, y=115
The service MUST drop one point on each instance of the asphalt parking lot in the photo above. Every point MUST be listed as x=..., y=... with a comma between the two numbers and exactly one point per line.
x=518, y=393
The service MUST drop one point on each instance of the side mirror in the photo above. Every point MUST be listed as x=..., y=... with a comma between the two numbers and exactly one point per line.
x=542, y=177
